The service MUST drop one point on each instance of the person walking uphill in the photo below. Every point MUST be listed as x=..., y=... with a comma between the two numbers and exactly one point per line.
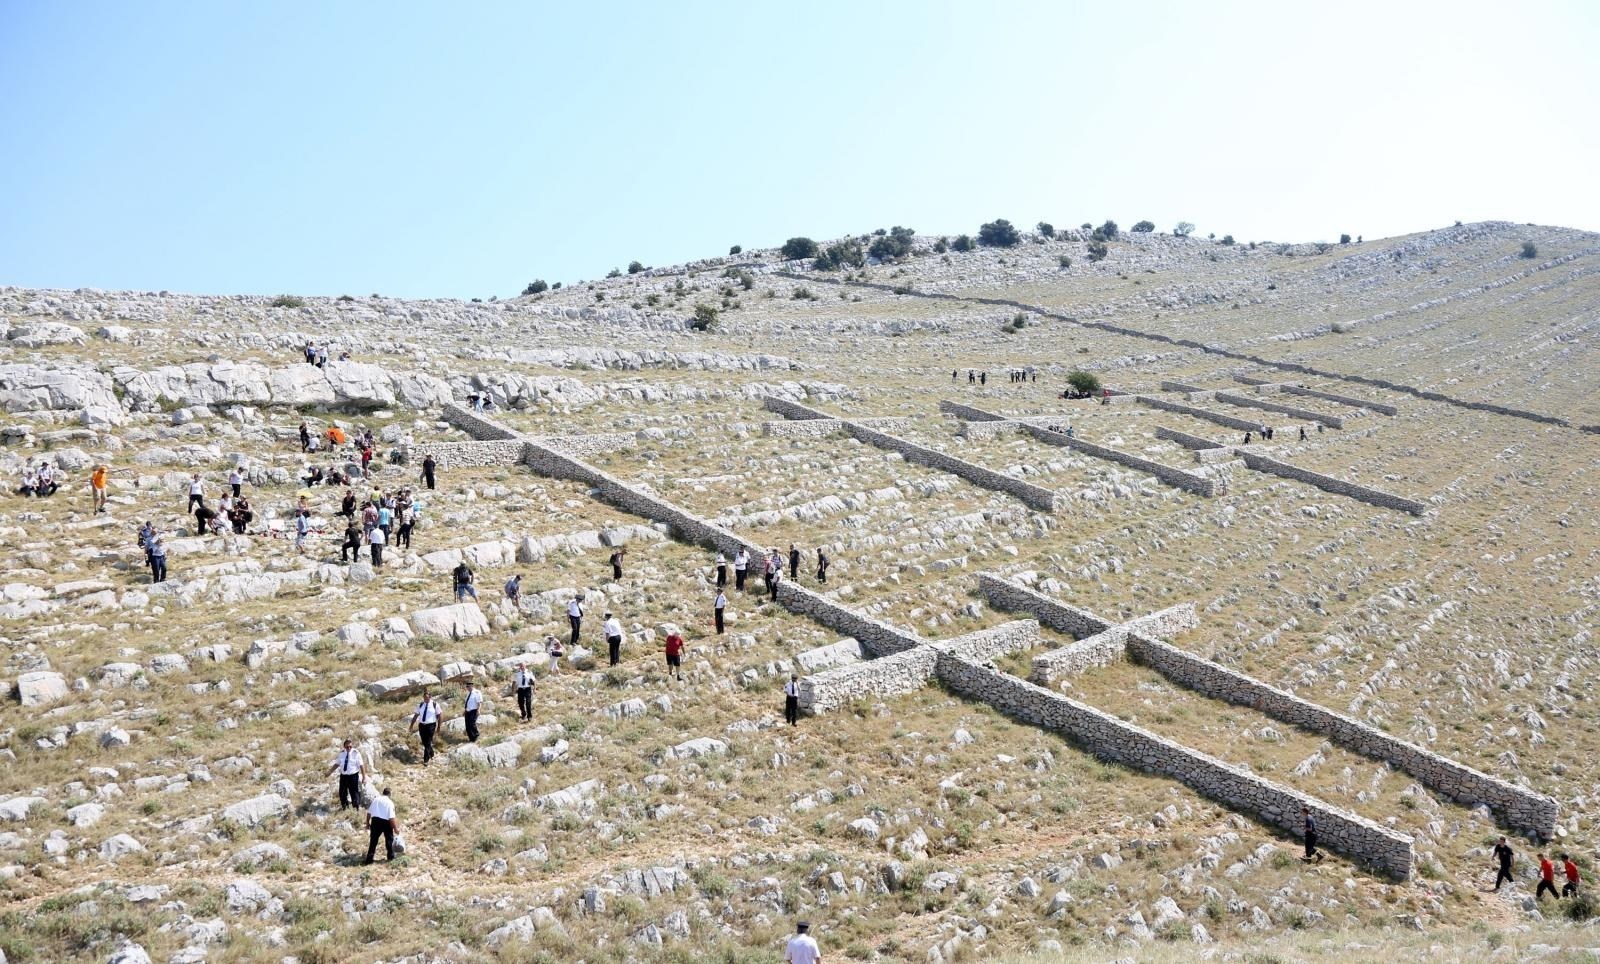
x=523, y=682
x=613, y=631
x=197, y=493
x=1312, y=853
x=463, y=583
x=1503, y=854
x=674, y=649
x=425, y=720
x=1570, y=888
x=352, y=772
x=822, y=565
x=97, y=486
x=802, y=947
x=722, y=570
x=381, y=825
x=616, y=564
x=1547, y=878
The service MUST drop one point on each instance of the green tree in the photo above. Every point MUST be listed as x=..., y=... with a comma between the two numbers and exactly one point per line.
x=1227, y=239
x=962, y=242
x=736, y=249
x=1097, y=250
x=1344, y=239
x=635, y=267
x=941, y=246
x=998, y=234
x=1183, y=229
x=1109, y=229
x=705, y=318
x=893, y=245
x=799, y=248
x=614, y=273
x=841, y=254
x=1086, y=383
x=1530, y=250
x=1047, y=229
x=1144, y=227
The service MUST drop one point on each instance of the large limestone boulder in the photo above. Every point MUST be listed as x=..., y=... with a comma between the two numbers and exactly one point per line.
x=42, y=333
x=257, y=810
x=403, y=685
x=500, y=756
x=41, y=688
x=451, y=622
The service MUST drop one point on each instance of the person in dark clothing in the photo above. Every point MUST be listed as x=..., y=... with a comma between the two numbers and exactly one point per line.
x=1503, y=854
x=1312, y=853
x=470, y=706
x=347, y=505
x=772, y=585
x=425, y=720
x=616, y=564
x=822, y=565
x=794, y=561
x=463, y=583
x=523, y=681
x=305, y=438
x=351, y=772
x=350, y=550
x=722, y=570
x=1302, y=433
x=983, y=378
x=953, y=374
x=971, y=378
x=1547, y=878
x=428, y=468
x=381, y=825
x=717, y=607
x=791, y=701
x=574, y=618
x=202, y=519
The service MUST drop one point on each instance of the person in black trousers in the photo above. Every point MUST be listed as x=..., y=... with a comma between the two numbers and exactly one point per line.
x=428, y=467
x=822, y=565
x=741, y=567
x=772, y=582
x=791, y=701
x=426, y=719
x=381, y=824
x=616, y=564
x=470, y=705
x=350, y=550
x=718, y=607
x=351, y=773
x=524, y=684
x=1503, y=854
x=794, y=561
x=722, y=570
x=1312, y=853
x=574, y=618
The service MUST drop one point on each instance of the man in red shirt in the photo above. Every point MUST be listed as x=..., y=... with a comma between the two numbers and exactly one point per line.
x=1570, y=888
x=1547, y=878
x=675, y=655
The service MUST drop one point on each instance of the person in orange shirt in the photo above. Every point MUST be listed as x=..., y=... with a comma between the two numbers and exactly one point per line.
x=97, y=486
x=1570, y=888
x=1547, y=878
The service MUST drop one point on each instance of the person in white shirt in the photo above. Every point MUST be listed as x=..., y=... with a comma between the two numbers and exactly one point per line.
x=197, y=493
x=613, y=631
x=802, y=947
x=375, y=540
x=236, y=480
x=470, y=706
x=425, y=720
x=741, y=565
x=523, y=682
x=552, y=648
x=722, y=570
x=718, y=606
x=574, y=617
x=381, y=823
x=791, y=701
x=352, y=772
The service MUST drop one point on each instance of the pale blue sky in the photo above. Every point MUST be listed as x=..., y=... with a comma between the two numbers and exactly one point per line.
x=463, y=149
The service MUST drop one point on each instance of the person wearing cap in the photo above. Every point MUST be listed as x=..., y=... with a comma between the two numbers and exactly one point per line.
x=791, y=701
x=351, y=774
x=802, y=948
x=613, y=631
x=523, y=681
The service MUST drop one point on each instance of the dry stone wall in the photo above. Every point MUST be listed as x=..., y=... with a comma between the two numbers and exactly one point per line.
x=1109, y=738
x=814, y=427
x=584, y=446
x=893, y=675
x=969, y=414
x=1219, y=418
x=1177, y=478
x=1194, y=442
x=986, y=644
x=1062, y=617
x=988, y=430
x=1032, y=495
x=475, y=425
x=1519, y=808
x=1110, y=646
x=1328, y=483
x=462, y=455
x=1378, y=407
x=1332, y=421
x=877, y=638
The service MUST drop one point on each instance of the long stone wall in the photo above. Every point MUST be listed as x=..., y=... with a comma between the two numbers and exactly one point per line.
x=1328, y=483
x=876, y=637
x=1032, y=495
x=1101, y=649
x=1332, y=421
x=986, y=644
x=475, y=425
x=1062, y=617
x=1168, y=386
x=967, y=413
x=1378, y=407
x=987, y=430
x=893, y=675
x=1519, y=808
x=1194, y=442
x=1177, y=478
x=583, y=446
x=1219, y=418
x=814, y=427
x=460, y=455
x=1109, y=738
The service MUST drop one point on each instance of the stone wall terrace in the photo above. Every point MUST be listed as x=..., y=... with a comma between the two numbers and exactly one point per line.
x=1522, y=809
x=1177, y=478
x=1332, y=421
x=967, y=413
x=585, y=446
x=1062, y=617
x=1328, y=483
x=1032, y=495
x=893, y=675
x=1378, y=407
x=463, y=455
x=476, y=425
x=1193, y=442
x=986, y=644
x=1229, y=421
x=876, y=637
x=1110, y=646
x=1109, y=738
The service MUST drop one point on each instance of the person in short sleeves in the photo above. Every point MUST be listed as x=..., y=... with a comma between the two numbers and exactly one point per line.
x=552, y=649
x=722, y=570
x=470, y=707
x=236, y=481
x=375, y=541
x=791, y=701
x=574, y=618
x=351, y=773
x=719, y=607
x=381, y=824
x=426, y=720
x=741, y=568
x=197, y=493
x=822, y=565
x=613, y=631
x=674, y=649
x=523, y=681
x=802, y=948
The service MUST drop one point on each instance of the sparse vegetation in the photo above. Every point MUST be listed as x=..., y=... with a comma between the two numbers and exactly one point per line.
x=962, y=243
x=1047, y=229
x=1529, y=250
x=1144, y=227
x=998, y=234
x=288, y=301
x=841, y=254
x=1183, y=229
x=796, y=248
x=894, y=245
x=705, y=318
x=1109, y=230
x=635, y=267
x=736, y=249
x=1097, y=250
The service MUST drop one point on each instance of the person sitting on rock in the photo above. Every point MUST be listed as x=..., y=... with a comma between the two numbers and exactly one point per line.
x=30, y=480
x=463, y=583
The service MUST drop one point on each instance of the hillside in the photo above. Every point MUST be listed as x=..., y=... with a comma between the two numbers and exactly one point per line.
x=1409, y=563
